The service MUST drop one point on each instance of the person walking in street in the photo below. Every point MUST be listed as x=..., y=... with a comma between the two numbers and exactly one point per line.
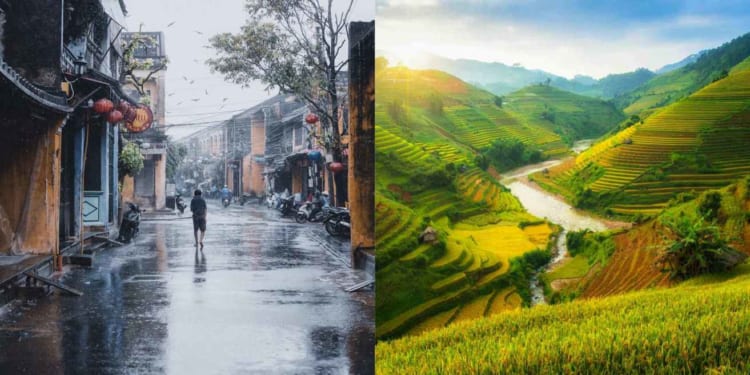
x=198, y=207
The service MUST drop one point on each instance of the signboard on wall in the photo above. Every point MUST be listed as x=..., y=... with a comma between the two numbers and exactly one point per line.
x=92, y=203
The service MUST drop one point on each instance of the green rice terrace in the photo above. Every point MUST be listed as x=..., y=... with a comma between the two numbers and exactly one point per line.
x=639, y=245
x=646, y=321
x=698, y=327
x=570, y=115
x=670, y=87
x=430, y=127
x=695, y=144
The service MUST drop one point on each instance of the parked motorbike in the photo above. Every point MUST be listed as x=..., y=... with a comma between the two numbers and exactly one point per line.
x=180, y=204
x=312, y=212
x=338, y=224
x=247, y=198
x=244, y=198
x=130, y=223
x=272, y=201
x=287, y=206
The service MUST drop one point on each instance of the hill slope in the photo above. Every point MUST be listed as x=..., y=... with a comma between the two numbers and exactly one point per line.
x=570, y=115
x=429, y=128
x=677, y=84
x=698, y=327
x=633, y=262
x=695, y=144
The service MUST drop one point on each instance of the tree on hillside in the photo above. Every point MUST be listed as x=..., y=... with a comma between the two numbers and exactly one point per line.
x=498, y=101
x=694, y=247
x=294, y=46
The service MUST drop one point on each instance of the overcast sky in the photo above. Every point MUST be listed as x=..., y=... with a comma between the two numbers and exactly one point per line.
x=193, y=23
x=591, y=37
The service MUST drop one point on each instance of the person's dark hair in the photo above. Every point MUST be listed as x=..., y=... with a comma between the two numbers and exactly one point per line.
x=197, y=192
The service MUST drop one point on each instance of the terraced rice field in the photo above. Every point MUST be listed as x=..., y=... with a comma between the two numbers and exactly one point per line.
x=446, y=152
x=478, y=186
x=713, y=123
x=479, y=126
x=632, y=266
x=700, y=327
x=438, y=321
x=474, y=309
x=468, y=259
x=503, y=300
x=388, y=143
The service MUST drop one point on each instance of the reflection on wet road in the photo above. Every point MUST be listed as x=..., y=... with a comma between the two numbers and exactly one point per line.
x=262, y=297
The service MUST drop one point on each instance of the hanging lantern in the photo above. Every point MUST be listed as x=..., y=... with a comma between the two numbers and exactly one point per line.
x=129, y=114
x=103, y=106
x=123, y=107
x=114, y=117
x=311, y=118
x=142, y=121
x=336, y=167
x=314, y=155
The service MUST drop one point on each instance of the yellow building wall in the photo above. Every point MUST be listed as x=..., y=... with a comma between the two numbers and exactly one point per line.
x=30, y=202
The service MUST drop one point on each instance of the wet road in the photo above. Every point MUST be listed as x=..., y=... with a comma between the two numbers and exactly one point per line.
x=263, y=297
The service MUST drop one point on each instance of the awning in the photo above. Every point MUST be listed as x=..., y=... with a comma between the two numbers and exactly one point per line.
x=115, y=9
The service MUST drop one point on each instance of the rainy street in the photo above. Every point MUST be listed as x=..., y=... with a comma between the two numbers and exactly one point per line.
x=266, y=295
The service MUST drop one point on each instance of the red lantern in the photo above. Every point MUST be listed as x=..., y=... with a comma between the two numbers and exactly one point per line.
x=311, y=118
x=114, y=117
x=129, y=114
x=103, y=106
x=336, y=167
x=123, y=106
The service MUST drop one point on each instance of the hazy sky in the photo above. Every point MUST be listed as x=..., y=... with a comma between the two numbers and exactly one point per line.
x=193, y=23
x=592, y=37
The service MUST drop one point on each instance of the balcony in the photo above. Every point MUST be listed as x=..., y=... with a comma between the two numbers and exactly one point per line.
x=153, y=148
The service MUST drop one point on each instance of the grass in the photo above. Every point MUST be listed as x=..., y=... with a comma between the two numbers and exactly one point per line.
x=688, y=329
x=574, y=267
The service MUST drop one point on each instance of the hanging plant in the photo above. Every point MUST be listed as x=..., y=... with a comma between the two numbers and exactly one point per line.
x=131, y=160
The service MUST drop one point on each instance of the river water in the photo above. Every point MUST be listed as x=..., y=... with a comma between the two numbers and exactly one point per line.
x=545, y=205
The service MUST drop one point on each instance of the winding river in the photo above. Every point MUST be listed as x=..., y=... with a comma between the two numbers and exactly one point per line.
x=543, y=204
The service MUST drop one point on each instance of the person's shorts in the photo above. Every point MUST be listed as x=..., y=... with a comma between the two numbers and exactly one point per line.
x=199, y=223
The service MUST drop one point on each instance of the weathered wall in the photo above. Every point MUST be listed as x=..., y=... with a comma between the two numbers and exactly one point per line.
x=128, y=189
x=30, y=186
x=296, y=179
x=362, y=133
x=32, y=41
x=2, y=26
x=257, y=148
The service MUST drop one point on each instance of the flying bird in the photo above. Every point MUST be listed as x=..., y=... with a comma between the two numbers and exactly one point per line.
x=170, y=94
x=185, y=78
x=206, y=92
x=196, y=99
x=197, y=32
x=171, y=23
x=191, y=81
x=179, y=103
x=225, y=99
